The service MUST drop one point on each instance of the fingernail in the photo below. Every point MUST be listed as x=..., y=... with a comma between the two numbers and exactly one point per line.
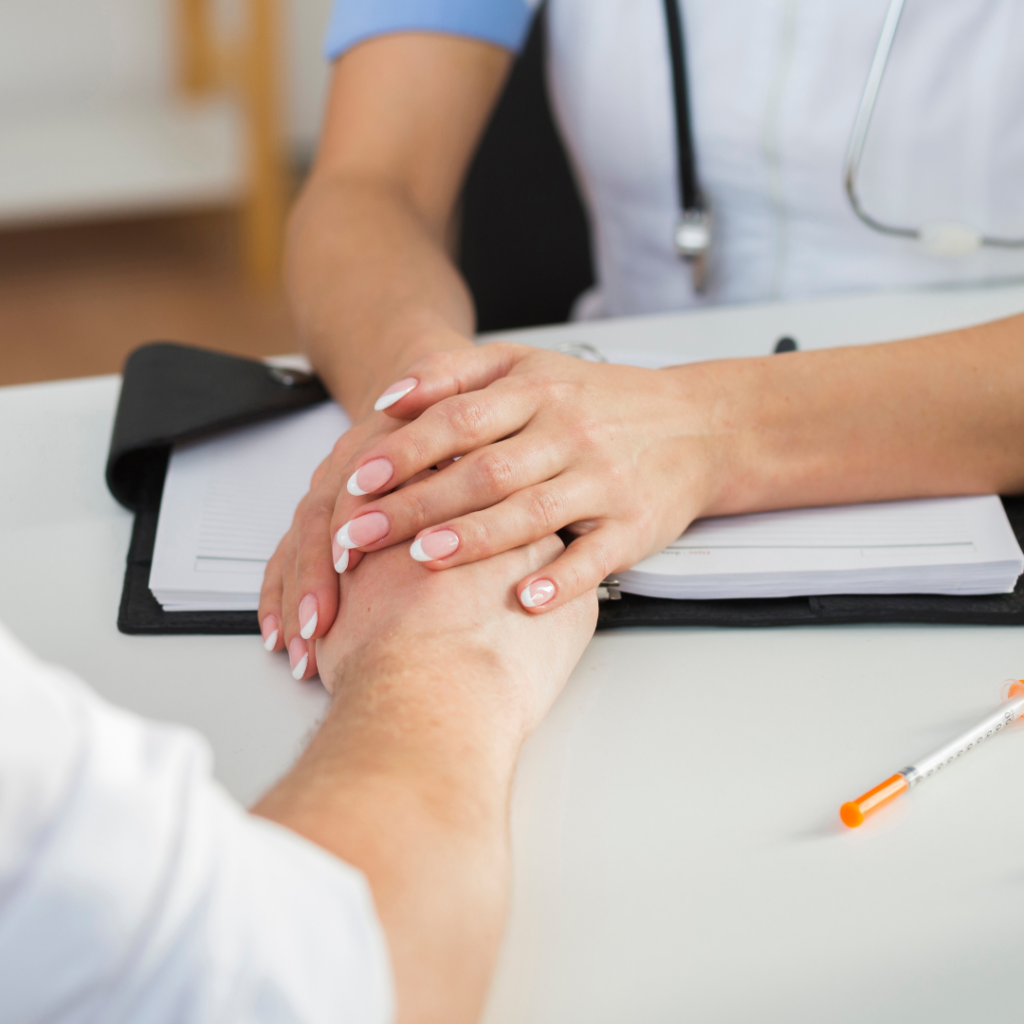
x=269, y=631
x=395, y=393
x=433, y=546
x=537, y=593
x=374, y=475
x=342, y=563
x=298, y=656
x=308, y=615
x=363, y=530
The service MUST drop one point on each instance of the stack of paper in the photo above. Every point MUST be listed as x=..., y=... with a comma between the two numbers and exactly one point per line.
x=927, y=546
x=228, y=500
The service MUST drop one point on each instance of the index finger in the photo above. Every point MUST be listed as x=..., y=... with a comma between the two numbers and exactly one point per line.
x=442, y=375
x=453, y=427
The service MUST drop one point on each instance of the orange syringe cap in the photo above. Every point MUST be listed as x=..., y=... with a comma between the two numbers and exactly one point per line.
x=854, y=812
x=1012, y=689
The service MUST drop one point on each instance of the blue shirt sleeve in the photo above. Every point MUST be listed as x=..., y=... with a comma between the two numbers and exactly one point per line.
x=503, y=22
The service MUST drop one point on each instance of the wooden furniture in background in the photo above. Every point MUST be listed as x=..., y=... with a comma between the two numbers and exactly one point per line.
x=213, y=141
x=247, y=66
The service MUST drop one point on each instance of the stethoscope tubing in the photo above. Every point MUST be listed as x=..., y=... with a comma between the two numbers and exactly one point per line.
x=862, y=123
x=692, y=202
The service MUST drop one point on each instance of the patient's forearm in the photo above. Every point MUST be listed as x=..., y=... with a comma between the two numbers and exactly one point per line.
x=371, y=286
x=408, y=780
x=930, y=416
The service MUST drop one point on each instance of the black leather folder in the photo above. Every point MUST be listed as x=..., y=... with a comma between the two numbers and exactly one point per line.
x=175, y=393
x=172, y=393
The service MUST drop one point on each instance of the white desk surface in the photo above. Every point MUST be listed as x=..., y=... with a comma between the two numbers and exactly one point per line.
x=677, y=848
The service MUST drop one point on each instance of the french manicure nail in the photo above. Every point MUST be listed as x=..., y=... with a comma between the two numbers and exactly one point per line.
x=537, y=593
x=308, y=615
x=433, y=546
x=342, y=563
x=371, y=477
x=298, y=656
x=269, y=631
x=395, y=393
x=363, y=530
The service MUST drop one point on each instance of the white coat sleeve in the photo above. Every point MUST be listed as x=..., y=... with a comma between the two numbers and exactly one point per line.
x=133, y=888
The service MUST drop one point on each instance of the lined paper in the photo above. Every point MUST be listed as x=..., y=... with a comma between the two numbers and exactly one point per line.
x=926, y=546
x=227, y=502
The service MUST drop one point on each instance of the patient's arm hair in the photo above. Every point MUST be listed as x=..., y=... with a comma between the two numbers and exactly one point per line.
x=437, y=678
x=416, y=796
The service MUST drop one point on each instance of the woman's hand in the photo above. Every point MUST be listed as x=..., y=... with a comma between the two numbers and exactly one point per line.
x=618, y=455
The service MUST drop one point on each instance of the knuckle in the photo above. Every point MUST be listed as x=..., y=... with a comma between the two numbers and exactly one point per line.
x=477, y=536
x=312, y=511
x=464, y=416
x=641, y=516
x=497, y=471
x=592, y=434
x=616, y=475
x=561, y=391
x=546, y=509
x=417, y=451
x=585, y=572
x=573, y=579
x=411, y=510
x=551, y=390
x=341, y=451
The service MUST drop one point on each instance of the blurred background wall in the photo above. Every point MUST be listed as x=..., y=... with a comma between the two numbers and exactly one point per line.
x=123, y=194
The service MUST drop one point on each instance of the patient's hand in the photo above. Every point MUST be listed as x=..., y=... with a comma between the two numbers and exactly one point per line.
x=455, y=635
x=437, y=678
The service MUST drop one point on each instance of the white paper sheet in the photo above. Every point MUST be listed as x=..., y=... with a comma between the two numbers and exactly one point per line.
x=227, y=502
x=926, y=546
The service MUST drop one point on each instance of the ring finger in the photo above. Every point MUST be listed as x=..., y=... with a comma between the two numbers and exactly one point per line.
x=478, y=481
x=526, y=516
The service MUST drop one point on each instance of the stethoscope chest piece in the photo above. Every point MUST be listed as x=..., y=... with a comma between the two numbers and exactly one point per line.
x=693, y=243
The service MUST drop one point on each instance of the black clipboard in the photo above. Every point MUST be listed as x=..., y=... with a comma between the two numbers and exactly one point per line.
x=173, y=392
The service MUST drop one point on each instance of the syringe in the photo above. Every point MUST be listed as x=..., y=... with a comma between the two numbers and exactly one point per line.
x=854, y=813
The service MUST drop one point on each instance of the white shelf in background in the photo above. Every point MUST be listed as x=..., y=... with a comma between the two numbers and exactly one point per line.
x=146, y=156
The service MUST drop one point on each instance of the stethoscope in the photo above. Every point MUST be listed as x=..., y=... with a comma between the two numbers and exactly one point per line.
x=693, y=231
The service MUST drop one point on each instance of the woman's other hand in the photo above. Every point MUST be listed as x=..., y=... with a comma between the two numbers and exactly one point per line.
x=617, y=455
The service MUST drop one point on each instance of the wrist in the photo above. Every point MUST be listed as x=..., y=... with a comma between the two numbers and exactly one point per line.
x=447, y=723
x=395, y=347
x=752, y=413
x=708, y=435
